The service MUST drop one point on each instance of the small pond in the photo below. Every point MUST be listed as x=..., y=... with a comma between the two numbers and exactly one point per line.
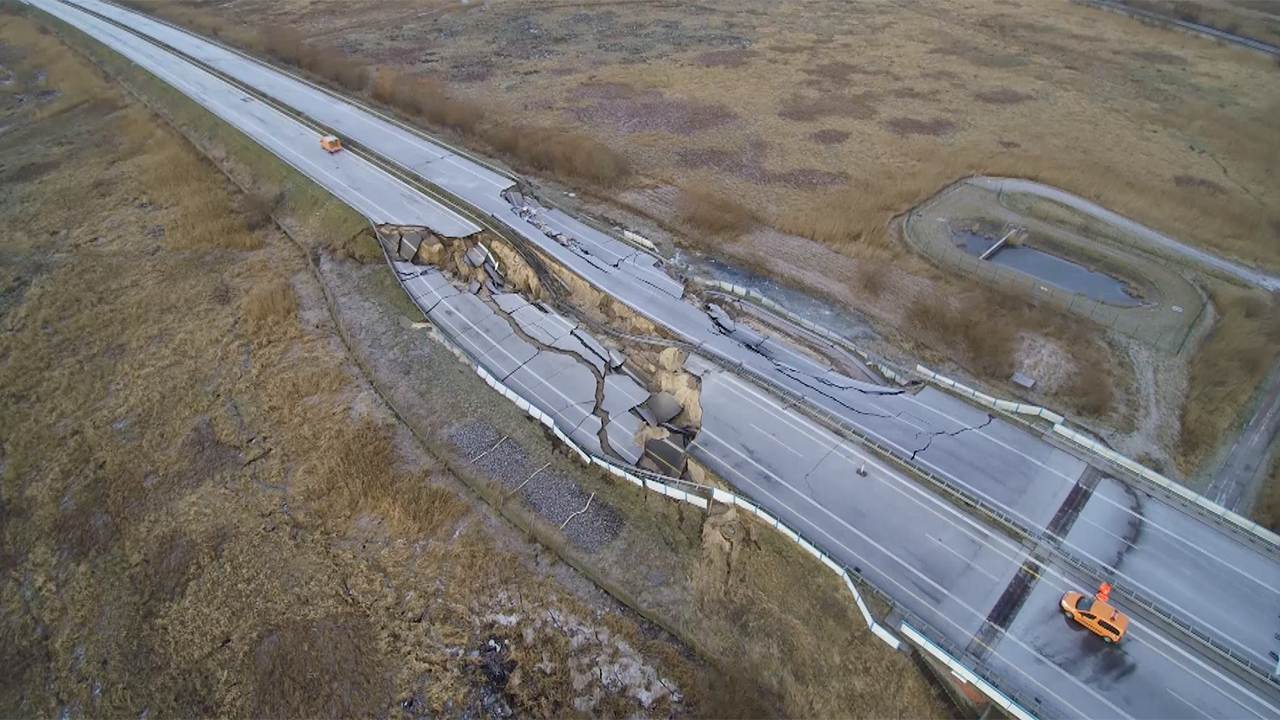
x=1050, y=268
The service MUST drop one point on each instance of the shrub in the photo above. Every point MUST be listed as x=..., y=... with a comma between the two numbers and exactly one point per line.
x=257, y=210
x=705, y=211
x=1186, y=11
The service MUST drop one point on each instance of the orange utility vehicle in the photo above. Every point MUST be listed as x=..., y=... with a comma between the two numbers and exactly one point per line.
x=1096, y=614
x=331, y=143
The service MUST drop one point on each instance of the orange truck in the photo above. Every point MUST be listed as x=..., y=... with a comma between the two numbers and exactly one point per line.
x=331, y=143
x=1096, y=613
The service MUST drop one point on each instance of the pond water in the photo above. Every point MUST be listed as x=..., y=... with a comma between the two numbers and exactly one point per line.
x=1050, y=268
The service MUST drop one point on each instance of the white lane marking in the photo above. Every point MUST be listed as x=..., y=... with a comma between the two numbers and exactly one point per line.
x=178, y=82
x=444, y=153
x=1187, y=702
x=1264, y=589
x=908, y=567
x=966, y=560
x=781, y=444
x=1059, y=579
x=1052, y=574
x=153, y=60
x=418, y=142
x=1131, y=581
x=230, y=62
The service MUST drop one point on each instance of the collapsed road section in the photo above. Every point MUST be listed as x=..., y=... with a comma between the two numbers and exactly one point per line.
x=588, y=390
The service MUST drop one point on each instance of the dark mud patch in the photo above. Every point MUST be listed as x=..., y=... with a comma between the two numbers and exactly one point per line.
x=733, y=57
x=166, y=570
x=30, y=171
x=206, y=454
x=631, y=110
x=1159, y=57
x=830, y=136
x=858, y=106
x=940, y=75
x=1003, y=96
x=1195, y=181
x=840, y=73
x=471, y=70
x=84, y=528
x=980, y=56
x=792, y=49
x=910, y=93
x=916, y=126
x=330, y=667
x=748, y=164
x=604, y=91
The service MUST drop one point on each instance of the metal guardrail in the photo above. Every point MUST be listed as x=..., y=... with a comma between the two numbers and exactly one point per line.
x=1212, y=33
x=1240, y=527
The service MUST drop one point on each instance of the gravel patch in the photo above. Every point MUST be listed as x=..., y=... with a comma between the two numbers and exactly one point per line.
x=546, y=491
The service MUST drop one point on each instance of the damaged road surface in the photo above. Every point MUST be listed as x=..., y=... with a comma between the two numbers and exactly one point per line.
x=1028, y=473
x=540, y=354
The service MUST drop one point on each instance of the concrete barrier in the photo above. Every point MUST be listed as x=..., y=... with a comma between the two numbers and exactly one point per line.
x=966, y=674
x=640, y=240
x=984, y=399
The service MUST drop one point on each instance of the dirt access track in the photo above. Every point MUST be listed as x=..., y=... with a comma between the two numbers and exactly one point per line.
x=1170, y=307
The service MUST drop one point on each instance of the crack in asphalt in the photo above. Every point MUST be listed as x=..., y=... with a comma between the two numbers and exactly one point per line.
x=953, y=433
x=830, y=450
x=792, y=372
x=597, y=410
x=1133, y=529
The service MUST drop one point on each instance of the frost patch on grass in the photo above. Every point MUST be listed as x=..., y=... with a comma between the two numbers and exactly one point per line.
x=1045, y=360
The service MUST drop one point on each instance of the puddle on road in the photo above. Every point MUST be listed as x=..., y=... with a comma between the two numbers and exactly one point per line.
x=1050, y=268
x=806, y=306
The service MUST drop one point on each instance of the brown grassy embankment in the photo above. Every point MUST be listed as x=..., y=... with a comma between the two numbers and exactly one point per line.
x=1231, y=361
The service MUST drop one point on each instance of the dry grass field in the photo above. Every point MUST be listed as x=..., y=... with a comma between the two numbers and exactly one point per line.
x=203, y=510
x=207, y=510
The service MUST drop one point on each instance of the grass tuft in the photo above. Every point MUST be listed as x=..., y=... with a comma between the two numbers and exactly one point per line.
x=289, y=45
x=983, y=335
x=357, y=477
x=327, y=668
x=257, y=210
x=269, y=304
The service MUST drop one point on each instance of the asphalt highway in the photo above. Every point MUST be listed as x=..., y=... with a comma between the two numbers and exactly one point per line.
x=951, y=571
x=1246, y=464
x=944, y=566
x=357, y=182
